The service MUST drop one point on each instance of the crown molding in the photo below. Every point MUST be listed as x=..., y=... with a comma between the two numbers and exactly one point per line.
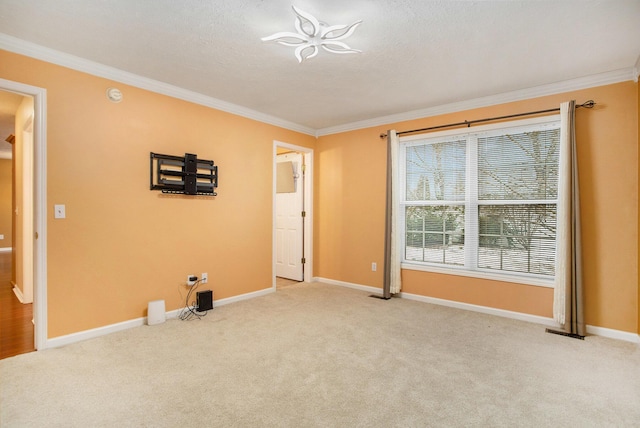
x=33, y=50
x=601, y=79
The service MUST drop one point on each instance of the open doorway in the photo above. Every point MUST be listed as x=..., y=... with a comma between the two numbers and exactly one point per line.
x=292, y=214
x=27, y=254
x=16, y=220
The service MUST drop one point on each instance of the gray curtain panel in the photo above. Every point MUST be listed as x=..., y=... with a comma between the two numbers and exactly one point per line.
x=568, y=294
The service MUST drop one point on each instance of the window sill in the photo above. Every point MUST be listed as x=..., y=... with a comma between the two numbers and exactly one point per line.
x=482, y=274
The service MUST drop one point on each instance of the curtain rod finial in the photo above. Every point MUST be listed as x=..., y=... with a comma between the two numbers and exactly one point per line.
x=383, y=135
x=588, y=104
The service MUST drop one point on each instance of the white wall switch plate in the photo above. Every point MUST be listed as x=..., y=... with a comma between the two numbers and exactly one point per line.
x=59, y=211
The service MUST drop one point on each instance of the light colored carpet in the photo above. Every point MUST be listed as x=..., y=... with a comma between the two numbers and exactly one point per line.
x=324, y=356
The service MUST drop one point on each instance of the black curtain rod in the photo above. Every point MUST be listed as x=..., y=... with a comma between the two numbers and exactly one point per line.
x=586, y=104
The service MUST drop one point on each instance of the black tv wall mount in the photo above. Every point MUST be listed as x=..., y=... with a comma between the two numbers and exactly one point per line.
x=185, y=175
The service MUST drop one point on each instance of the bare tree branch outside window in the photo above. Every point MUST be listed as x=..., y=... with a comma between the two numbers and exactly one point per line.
x=517, y=189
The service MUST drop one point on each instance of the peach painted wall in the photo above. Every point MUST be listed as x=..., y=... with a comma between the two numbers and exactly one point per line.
x=6, y=211
x=350, y=181
x=123, y=245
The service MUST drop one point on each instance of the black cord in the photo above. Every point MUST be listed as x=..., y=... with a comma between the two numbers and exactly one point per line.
x=190, y=312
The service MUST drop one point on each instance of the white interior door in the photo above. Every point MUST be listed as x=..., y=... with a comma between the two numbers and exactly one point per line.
x=289, y=222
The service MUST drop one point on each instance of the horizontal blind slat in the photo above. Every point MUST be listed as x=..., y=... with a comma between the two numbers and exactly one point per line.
x=519, y=166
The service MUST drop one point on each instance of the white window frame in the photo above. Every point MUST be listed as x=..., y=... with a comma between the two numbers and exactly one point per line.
x=471, y=204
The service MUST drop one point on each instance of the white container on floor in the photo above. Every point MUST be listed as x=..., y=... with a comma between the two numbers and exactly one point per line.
x=155, y=312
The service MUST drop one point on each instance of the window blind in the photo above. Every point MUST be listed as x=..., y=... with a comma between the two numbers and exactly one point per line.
x=483, y=200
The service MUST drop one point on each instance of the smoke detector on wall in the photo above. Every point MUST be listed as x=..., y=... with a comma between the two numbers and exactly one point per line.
x=114, y=95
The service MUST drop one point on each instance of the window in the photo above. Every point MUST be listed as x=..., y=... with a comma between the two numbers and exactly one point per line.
x=483, y=201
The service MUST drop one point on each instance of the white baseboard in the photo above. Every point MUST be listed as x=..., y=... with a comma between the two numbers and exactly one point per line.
x=548, y=322
x=18, y=292
x=613, y=334
x=112, y=328
x=366, y=288
x=5, y=250
x=228, y=300
x=242, y=297
x=68, y=339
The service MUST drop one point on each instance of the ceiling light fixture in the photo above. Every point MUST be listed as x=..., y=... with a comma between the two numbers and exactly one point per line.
x=313, y=34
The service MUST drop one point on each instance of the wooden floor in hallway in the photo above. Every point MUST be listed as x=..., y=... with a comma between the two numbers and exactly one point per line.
x=16, y=326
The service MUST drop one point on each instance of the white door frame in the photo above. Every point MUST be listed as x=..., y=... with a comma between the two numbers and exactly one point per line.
x=26, y=210
x=308, y=207
x=39, y=204
x=289, y=206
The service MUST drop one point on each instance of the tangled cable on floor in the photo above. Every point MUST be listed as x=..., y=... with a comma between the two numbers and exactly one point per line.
x=190, y=311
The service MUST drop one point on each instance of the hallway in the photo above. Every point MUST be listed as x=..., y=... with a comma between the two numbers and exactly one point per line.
x=16, y=327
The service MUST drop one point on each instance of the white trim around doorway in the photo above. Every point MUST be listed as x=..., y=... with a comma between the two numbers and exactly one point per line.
x=308, y=207
x=40, y=205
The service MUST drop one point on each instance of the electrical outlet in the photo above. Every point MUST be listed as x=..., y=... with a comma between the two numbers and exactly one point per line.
x=374, y=266
x=191, y=279
x=204, y=278
x=59, y=211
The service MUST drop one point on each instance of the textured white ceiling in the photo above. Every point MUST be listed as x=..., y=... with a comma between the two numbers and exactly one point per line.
x=417, y=54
